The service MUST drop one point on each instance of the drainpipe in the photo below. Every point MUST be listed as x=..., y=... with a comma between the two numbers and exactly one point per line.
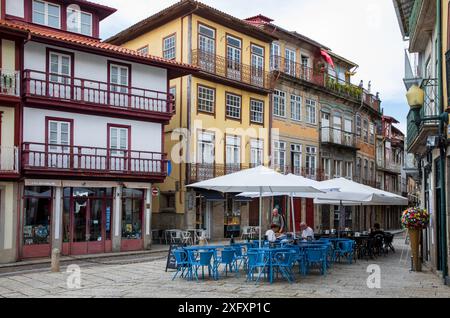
x=442, y=155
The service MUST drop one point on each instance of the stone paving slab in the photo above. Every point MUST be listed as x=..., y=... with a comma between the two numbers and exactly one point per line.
x=150, y=280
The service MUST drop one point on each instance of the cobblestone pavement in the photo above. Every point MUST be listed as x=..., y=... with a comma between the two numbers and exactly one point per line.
x=148, y=279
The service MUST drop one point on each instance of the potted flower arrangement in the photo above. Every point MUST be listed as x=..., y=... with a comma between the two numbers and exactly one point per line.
x=415, y=219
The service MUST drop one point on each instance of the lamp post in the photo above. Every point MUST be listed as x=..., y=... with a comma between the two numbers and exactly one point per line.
x=415, y=97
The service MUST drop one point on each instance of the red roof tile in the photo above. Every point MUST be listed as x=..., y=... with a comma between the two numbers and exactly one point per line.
x=79, y=40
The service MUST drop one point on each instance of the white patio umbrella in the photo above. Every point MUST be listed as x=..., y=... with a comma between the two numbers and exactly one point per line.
x=260, y=180
x=299, y=180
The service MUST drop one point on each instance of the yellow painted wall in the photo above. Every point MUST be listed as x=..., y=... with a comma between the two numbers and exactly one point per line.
x=8, y=55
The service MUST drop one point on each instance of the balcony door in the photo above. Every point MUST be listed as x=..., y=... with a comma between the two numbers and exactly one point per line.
x=234, y=58
x=257, y=65
x=207, y=48
x=119, y=80
x=59, y=148
x=119, y=151
x=205, y=156
x=337, y=129
x=348, y=127
x=60, y=73
x=325, y=124
x=291, y=58
x=296, y=159
x=233, y=154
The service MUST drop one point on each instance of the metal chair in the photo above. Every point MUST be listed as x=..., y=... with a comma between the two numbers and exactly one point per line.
x=316, y=256
x=256, y=260
x=203, y=261
x=182, y=259
x=186, y=238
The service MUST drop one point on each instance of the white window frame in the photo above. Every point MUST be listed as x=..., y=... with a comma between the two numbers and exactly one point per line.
x=119, y=87
x=55, y=144
x=256, y=111
x=279, y=103
x=118, y=149
x=46, y=14
x=205, y=138
x=59, y=75
x=232, y=150
x=290, y=61
x=311, y=166
x=202, y=94
x=79, y=22
x=256, y=152
x=296, y=155
x=311, y=111
x=279, y=158
x=275, y=55
x=349, y=170
x=233, y=108
x=170, y=52
x=338, y=168
x=296, y=107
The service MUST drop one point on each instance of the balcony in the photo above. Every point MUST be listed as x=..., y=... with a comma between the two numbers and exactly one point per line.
x=9, y=83
x=338, y=138
x=9, y=161
x=232, y=72
x=68, y=92
x=421, y=21
x=417, y=134
x=325, y=81
x=205, y=171
x=64, y=160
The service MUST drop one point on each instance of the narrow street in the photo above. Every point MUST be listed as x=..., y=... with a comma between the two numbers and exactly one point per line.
x=144, y=276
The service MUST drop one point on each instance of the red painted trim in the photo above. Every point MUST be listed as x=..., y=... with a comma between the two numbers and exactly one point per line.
x=1, y=117
x=3, y=9
x=72, y=66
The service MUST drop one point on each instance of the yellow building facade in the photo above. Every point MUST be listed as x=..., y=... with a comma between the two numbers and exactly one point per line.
x=222, y=121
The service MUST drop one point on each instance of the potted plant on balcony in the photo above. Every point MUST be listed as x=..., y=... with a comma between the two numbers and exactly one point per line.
x=7, y=83
x=415, y=220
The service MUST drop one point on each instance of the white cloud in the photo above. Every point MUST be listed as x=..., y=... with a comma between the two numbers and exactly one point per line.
x=364, y=31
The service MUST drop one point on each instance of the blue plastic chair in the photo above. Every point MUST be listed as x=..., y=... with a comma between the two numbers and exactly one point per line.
x=239, y=256
x=181, y=257
x=228, y=259
x=256, y=259
x=344, y=249
x=316, y=256
x=203, y=261
x=284, y=262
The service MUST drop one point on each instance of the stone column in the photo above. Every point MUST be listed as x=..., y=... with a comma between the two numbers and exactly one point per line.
x=147, y=235
x=117, y=219
x=57, y=219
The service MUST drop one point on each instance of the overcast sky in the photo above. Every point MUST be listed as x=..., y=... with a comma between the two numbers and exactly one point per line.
x=363, y=31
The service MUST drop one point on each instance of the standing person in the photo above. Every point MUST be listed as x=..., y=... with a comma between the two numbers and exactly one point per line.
x=306, y=231
x=277, y=219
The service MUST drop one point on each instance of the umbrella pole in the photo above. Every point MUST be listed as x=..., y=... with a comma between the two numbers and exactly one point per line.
x=260, y=217
x=340, y=218
x=293, y=214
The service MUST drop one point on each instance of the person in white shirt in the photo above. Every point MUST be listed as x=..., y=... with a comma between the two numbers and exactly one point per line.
x=270, y=234
x=306, y=231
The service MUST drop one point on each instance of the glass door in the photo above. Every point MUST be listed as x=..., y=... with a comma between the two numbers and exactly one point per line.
x=337, y=130
x=234, y=62
x=207, y=48
x=257, y=65
x=325, y=127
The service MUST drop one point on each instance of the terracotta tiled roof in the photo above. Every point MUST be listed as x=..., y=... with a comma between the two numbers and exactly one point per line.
x=35, y=31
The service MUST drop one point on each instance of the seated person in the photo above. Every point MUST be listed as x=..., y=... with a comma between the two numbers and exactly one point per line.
x=307, y=232
x=270, y=234
x=376, y=230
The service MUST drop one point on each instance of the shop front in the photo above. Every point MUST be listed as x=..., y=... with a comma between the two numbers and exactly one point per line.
x=133, y=202
x=87, y=219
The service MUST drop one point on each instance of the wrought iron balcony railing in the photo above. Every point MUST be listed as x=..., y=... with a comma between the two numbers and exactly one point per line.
x=330, y=135
x=231, y=69
x=206, y=171
x=9, y=81
x=43, y=157
x=324, y=80
x=100, y=94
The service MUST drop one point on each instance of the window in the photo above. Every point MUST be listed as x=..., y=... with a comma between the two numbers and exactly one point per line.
x=358, y=126
x=337, y=168
x=349, y=170
x=275, y=55
x=290, y=62
x=348, y=128
x=296, y=158
x=173, y=93
x=79, y=21
x=37, y=215
x=257, y=66
x=233, y=106
x=311, y=157
x=256, y=152
x=256, y=111
x=358, y=168
x=234, y=46
x=279, y=103
x=310, y=111
x=233, y=151
x=58, y=135
x=132, y=203
x=119, y=77
x=60, y=68
x=207, y=48
x=205, y=150
x=372, y=133
x=169, y=51
x=46, y=13
x=206, y=99
x=366, y=130
x=296, y=107
x=326, y=166
x=118, y=140
x=279, y=159
x=366, y=169
x=143, y=50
